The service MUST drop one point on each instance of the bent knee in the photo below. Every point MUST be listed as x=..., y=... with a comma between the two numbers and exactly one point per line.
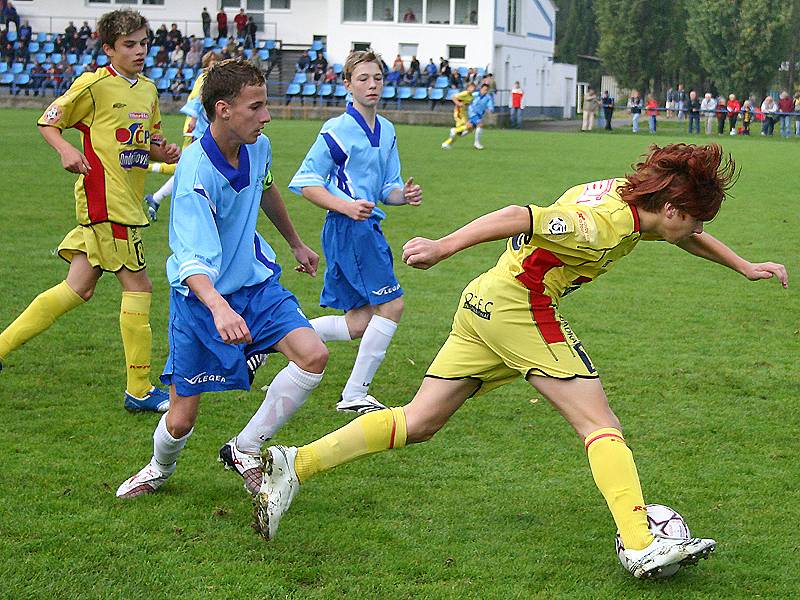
x=85, y=292
x=315, y=359
x=391, y=310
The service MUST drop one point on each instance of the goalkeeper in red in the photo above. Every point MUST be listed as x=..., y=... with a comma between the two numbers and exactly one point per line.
x=508, y=324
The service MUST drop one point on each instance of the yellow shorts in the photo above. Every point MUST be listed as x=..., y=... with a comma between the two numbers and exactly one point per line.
x=460, y=117
x=502, y=331
x=107, y=245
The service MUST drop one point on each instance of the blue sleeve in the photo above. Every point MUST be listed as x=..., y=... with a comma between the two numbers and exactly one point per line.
x=193, y=108
x=392, y=179
x=316, y=166
x=193, y=234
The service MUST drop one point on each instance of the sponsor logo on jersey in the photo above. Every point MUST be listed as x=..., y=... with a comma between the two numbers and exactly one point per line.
x=204, y=378
x=138, y=115
x=386, y=290
x=53, y=114
x=129, y=159
x=557, y=226
x=119, y=105
x=136, y=133
x=480, y=307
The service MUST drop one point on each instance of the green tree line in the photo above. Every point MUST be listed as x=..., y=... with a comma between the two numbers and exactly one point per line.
x=731, y=46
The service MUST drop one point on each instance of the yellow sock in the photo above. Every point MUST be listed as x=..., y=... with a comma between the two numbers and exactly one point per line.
x=40, y=314
x=370, y=433
x=617, y=479
x=448, y=141
x=137, y=339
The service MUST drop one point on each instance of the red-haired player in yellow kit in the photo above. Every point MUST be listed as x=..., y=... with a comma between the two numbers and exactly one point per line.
x=508, y=325
x=116, y=111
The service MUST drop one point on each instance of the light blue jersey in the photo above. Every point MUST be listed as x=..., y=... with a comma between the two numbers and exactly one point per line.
x=194, y=108
x=351, y=161
x=479, y=105
x=212, y=225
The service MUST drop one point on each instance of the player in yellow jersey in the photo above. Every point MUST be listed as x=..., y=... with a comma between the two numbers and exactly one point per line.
x=116, y=111
x=153, y=201
x=462, y=100
x=508, y=325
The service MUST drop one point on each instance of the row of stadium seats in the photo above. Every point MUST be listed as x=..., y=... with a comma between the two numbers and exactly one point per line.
x=327, y=92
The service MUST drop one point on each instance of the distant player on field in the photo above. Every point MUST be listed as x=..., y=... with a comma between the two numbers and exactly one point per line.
x=353, y=165
x=481, y=103
x=226, y=299
x=193, y=109
x=116, y=111
x=508, y=325
x=462, y=100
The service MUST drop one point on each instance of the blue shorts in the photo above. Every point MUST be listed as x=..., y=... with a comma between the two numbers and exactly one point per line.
x=475, y=120
x=199, y=361
x=359, y=261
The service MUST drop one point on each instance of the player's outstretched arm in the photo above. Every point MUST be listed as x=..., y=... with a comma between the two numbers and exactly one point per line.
x=230, y=324
x=72, y=159
x=707, y=246
x=273, y=206
x=423, y=253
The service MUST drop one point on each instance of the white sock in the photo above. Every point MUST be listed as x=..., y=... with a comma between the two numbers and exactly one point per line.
x=478, y=132
x=287, y=392
x=371, y=353
x=331, y=328
x=166, y=448
x=155, y=167
x=164, y=191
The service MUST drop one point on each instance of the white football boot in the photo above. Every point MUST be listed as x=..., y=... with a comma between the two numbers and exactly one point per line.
x=277, y=490
x=361, y=405
x=146, y=481
x=664, y=552
x=246, y=465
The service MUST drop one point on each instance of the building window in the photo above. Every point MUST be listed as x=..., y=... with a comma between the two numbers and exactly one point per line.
x=231, y=4
x=411, y=11
x=354, y=10
x=466, y=12
x=361, y=46
x=439, y=11
x=407, y=49
x=383, y=10
x=281, y=4
x=153, y=2
x=512, y=25
x=456, y=52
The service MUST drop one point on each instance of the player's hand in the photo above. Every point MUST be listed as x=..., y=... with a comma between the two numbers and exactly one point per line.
x=766, y=270
x=412, y=193
x=74, y=161
x=230, y=325
x=172, y=153
x=308, y=259
x=359, y=210
x=422, y=253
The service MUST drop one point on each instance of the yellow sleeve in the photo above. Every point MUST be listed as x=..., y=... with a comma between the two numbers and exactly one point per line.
x=582, y=227
x=75, y=106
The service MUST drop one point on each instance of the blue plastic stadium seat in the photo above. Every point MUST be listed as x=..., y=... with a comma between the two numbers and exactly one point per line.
x=55, y=57
x=40, y=57
x=17, y=68
x=389, y=92
x=22, y=80
x=41, y=37
x=102, y=60
x=325, y=91
x=316, y=45
x=208, y=43
x=292, y=91
x=437, y=94
x=188, y=74
x=248, y=53
x=452, y=92
x=222, y=42
x=72, y=59
x=463, y=71
x=3, y=68
x=11, y=36
x=149, y=61
x=79, y=70
x=338, y=68
x=48, y=47
x=263, y=54
x=403, y=93
x=155, y=73
x=153, y=51
x=29, y=67
x=480, y=71
x=162, y=85
x=312, y=55
x=6, y=79
x=33, y=47
x=309, y=89
x=441, y=82
x=171, y=72
x=270, y=44
x=340, y=91
x=86, y=59
x=421, y=93
x=299, y=78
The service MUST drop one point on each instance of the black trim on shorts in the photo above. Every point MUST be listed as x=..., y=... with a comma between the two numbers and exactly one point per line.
x=540, y=373
x=479, y=382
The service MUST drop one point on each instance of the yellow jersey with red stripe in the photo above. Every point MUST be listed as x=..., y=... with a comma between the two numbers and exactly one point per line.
x=466, y=97
x=118, y=120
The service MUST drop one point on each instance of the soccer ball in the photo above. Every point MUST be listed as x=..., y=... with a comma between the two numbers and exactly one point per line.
x=663, y=521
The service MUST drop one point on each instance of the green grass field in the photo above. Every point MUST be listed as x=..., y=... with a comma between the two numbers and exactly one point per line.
x=699, y=364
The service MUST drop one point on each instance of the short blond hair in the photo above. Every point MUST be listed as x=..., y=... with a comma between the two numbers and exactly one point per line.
x=119, y=23
x=358, y=57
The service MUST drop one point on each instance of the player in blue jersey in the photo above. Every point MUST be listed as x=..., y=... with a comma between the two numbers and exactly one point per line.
x=226, y=301
x=353, y=165
x=483, y=103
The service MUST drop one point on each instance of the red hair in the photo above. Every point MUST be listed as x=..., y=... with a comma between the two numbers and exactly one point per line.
x=694, y=179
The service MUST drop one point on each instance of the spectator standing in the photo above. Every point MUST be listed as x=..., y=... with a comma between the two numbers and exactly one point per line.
x=769, y=108
x=84, y=33
x=652, y=113
x=693, y=108
x=797, y=111
x=174, y=37
x=70, y=30
x=747, y=117
x=161, y=36
x=635, y=106
x=707, y=107
x=11, y=16
x=590, y=104
x=222, y=24
x=680, y=101
x=398, y=64
x=517, y=104
x=669, y=103
x=241, y=23
x=786, y=107
x=722, y=114
x=24, y=36
x=733, y=112
x=250, y=32
x=205, y=17
x=607, y=103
